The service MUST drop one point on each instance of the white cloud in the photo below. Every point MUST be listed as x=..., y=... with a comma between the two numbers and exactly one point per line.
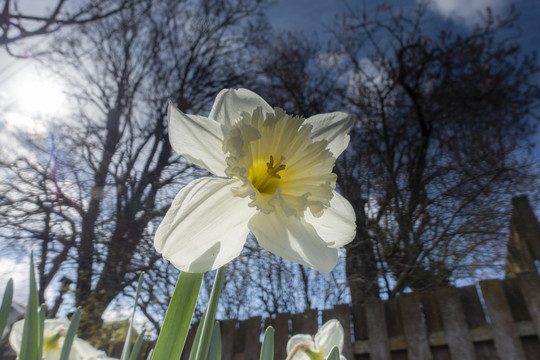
x=466, y=12
x=14, y=122
x=140, y=322
x=18, y=271
x=368, y=75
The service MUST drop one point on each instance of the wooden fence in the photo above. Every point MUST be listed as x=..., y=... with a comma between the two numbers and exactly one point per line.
x=500, y=321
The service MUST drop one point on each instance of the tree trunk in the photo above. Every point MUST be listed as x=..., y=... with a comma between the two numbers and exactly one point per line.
x=361, y=264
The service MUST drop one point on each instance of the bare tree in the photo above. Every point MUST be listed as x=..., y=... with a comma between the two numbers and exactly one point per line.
x=439, y=148
x=261, y=283
x=112, y=174
x=297, y=74
x=308, y=78
x=17, y=24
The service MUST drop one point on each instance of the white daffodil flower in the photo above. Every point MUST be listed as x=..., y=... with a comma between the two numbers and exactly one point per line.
x=318, y=347
x=54, y=334
x=274, y=178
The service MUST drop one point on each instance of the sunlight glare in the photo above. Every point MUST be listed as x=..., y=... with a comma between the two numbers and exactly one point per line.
x=39, y=96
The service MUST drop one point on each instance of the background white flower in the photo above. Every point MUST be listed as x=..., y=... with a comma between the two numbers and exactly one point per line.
x=53, y=341
x=309, y=347
x=274, y=178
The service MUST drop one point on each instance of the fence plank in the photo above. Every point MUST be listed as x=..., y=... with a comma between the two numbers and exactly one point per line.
x=531, y=346
x=393, y=319
x=305, y=323
x=359, y=322
x=398, y=348
x=431, y=311
x=252, y=345
x=516, y=301
x=239, y=338
x=342, y=313
x=474, y=313
x=530, y=286
x=378, y=334
x=414, y=328
x=455, y=324
x=505, y=335
x=281, y=334
x=434, y=326
x=228, y=329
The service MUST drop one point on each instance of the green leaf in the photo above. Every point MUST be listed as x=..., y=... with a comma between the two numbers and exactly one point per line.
x=137, y=346
x=31, y=329
x=178, y=318
x=197, y=340
x=150, y=355
x=70, y=335
x=42, y=314
x=125, y=351
x=215, y=344
x=267, y=348
x=207, y=322
x=334, y=354
x=6, y=305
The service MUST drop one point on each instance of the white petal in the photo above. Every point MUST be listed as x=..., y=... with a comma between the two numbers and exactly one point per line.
x=54, y=353
x=299, y=339
x=337, y=225
x=197, y=138
x=328, y=336
x=53, y=326
x=206, y=226
x=293, y=239
x=230, y=103
x=332, y=127
x=83, y=350
x=15, y=336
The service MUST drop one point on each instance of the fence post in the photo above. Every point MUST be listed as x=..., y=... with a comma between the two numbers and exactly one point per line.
x=455, y=324
x=414, y=328
x=228, y=329
x=505, y=336
x=530, y=286
x=379, y=343
x=281, y=334
x=305, y=323
x=252, y=346
x=524, y=244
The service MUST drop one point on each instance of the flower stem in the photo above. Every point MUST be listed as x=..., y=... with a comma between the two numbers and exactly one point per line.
x=178, y=318
x=207, y=322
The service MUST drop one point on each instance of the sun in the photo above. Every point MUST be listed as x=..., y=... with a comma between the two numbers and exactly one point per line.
x=30, y=100
x=36, y=95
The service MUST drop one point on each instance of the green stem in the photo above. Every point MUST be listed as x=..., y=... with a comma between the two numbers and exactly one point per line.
x=175, y=327
x=207, y=322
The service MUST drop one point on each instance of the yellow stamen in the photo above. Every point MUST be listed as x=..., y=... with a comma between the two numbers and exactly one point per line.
x=262, y=182
x=51, y=342
x=258, y=147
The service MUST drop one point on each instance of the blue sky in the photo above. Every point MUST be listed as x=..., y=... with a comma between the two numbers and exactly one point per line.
x=318, y=15
x=458, y=16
